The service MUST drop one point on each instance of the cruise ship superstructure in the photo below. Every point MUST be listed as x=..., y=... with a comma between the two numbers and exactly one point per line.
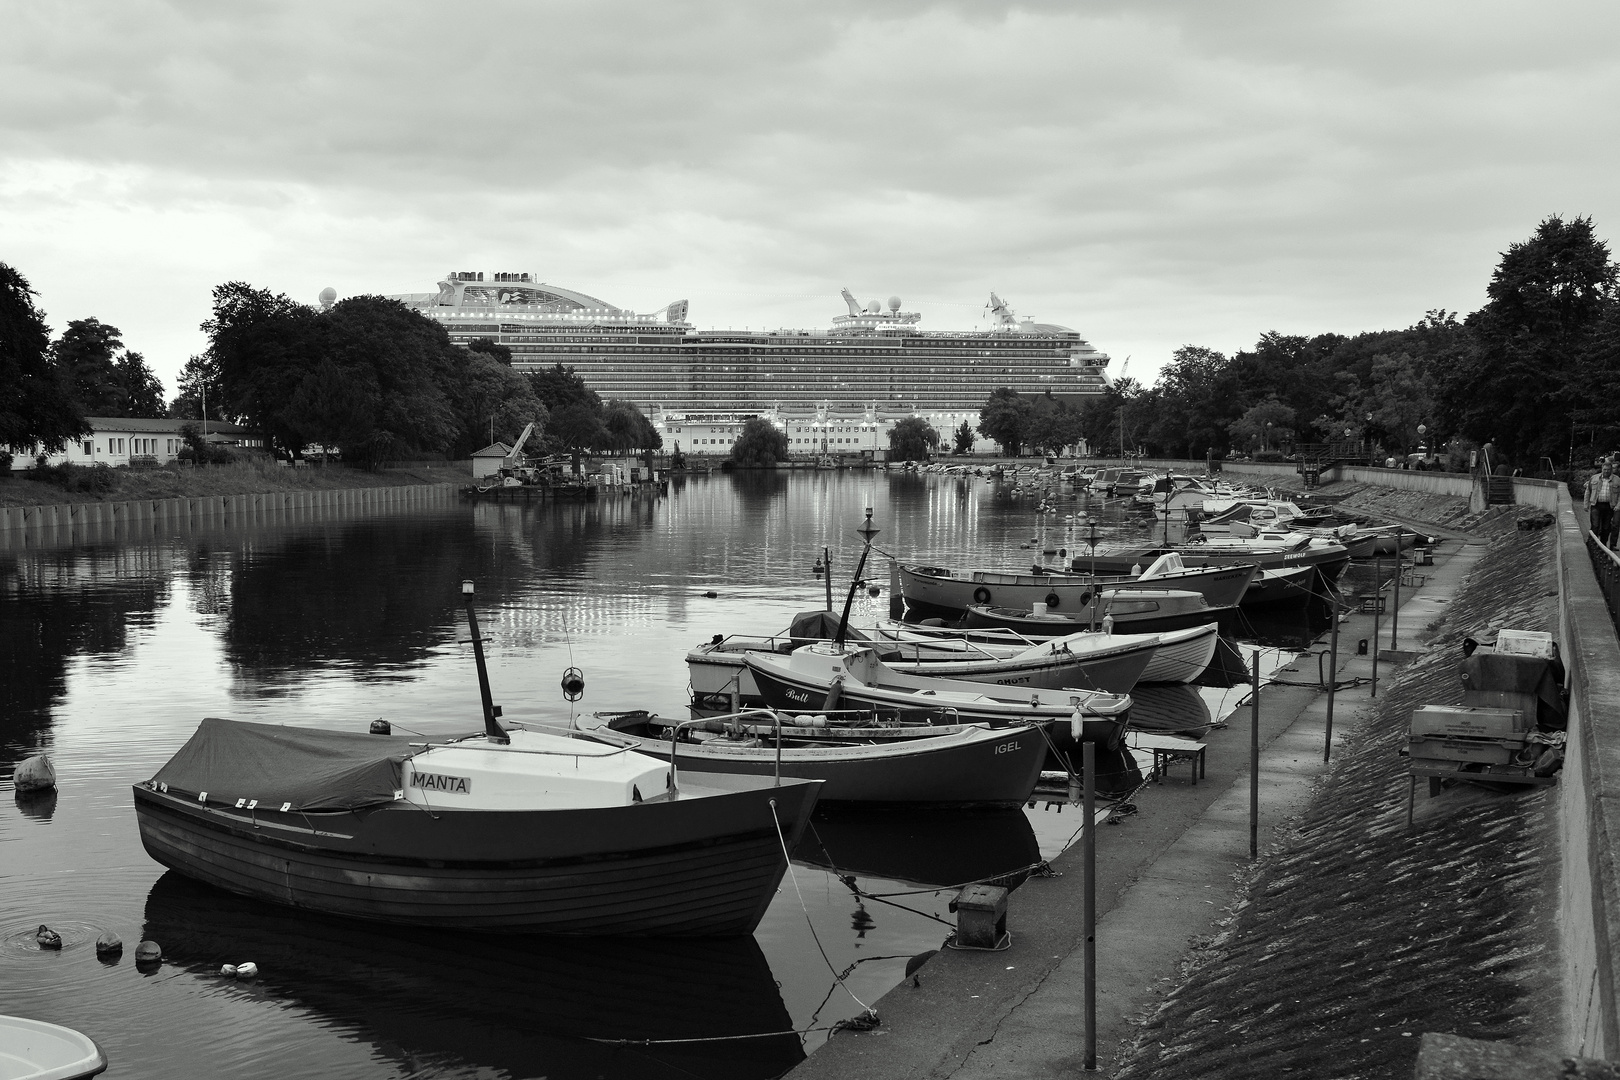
x=873, y=359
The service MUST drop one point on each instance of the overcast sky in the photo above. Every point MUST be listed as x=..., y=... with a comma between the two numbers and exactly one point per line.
x=1150, y=174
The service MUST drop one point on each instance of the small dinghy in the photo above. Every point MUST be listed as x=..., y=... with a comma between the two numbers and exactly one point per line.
x=35, y=1050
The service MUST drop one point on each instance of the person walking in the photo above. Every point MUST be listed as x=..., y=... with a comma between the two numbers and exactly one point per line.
x=1602, y=497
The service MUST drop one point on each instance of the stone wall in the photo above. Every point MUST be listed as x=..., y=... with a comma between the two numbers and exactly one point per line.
x=58, y=523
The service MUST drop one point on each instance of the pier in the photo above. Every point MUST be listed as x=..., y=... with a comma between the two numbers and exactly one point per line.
x=1352, y=945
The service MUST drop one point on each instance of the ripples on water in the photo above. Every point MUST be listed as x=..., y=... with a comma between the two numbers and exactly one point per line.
x=115, y=649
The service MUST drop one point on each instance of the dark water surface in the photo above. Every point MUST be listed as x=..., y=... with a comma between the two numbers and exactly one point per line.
x=113, y=651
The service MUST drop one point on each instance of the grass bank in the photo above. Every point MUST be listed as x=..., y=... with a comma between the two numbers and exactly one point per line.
x=238, y=478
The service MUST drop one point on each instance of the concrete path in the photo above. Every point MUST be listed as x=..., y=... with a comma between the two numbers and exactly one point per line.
x=1165, y=878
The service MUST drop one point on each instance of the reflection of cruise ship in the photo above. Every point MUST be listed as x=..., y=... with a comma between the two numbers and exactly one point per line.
x=871, y=357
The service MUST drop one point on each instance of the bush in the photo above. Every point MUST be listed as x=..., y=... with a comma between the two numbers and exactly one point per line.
x=88, y=479
x=5, y=462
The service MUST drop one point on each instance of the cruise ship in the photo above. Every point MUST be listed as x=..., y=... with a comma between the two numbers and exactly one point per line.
x=873, y=360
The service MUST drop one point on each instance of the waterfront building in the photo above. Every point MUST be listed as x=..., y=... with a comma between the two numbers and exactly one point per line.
x=873, y=359
x=123, y=440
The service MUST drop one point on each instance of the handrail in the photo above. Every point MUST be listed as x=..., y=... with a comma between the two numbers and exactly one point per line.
x=675, y=734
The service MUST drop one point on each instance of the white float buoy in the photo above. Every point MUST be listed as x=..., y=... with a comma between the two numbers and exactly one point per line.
x=148, y=952
x=109, y=944
x=34, y=774
x=228, y=970
x=247, y=970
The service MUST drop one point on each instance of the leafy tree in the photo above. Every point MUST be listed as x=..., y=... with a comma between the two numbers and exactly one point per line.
x=1054, y=425
x=1522, y=385
x=199, y=380
x=1269, y=424
x=263, y=345
x=561, y=386
x=1005, y=418
x=963, y=439
x=492, y=348
x=36, y=396
x=493, y=402
x=576, y=428
x=628, y=427
x=913, y=439
x=143, y=391
x=88, y=351
x=760, y=444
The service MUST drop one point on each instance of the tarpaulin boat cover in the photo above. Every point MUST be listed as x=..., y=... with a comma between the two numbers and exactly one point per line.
x=312, y=770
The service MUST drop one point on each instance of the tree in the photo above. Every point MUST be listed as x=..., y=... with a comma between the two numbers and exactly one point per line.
x=761, y=444
x=199, y=381
x=1005, y=418
x=913, y=439
x=492, y=348
x=1522, y=384
x=87, y=351
x=574, y=429
x=263, y=345
x=628, y=427
x=1266, y=425
x=492, y=402
x=143, y=391
x=963, y=439
x=36, y=396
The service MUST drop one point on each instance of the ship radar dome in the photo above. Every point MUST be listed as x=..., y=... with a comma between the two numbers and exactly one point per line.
x=894, y=303
x=874, y=307
x=328, y=297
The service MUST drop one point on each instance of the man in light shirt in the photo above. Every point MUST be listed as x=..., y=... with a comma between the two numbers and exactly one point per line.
x=1602, y=498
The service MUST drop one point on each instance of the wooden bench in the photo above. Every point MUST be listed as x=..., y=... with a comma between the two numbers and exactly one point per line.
x=1167, y=749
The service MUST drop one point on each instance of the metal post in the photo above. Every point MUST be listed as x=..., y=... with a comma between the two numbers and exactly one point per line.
x=1096, y=593
x=1395, y=613
x=1333, y=676
x=1378, y=602
x=826, y=560
x=1254, y=761
x=1088, y=763
x=492, y=731
x=897, y=601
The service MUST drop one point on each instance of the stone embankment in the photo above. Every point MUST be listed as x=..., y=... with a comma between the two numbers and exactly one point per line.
x=1353, y=937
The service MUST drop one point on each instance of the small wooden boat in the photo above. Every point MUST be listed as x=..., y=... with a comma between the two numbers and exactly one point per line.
x=935, y=590
x=35, y=1050
x=719, y=672
x=538, y=833
x=858, y=758
x=826, y=675
x=1138, y=610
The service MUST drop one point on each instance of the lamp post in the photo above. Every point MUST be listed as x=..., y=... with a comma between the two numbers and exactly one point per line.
x=1267, y=437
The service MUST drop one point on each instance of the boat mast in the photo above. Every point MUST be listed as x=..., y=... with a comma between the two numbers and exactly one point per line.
x=867, y=531
x=492, y=731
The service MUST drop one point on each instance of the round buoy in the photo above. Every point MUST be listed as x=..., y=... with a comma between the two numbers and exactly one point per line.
x=380, y=726
x=148, y=952
x=873, y=590
x=47, y=938
x=247, y=970
x=573, y=684
x=34, y=774
x=228, y=970
x=109, y=944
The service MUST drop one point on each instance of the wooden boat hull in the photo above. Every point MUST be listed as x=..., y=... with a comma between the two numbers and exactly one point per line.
x=1284, y=585
x=1183, y=655
x=1152, y=619
x=971, y=767
x=696, y=866
x=949, y=593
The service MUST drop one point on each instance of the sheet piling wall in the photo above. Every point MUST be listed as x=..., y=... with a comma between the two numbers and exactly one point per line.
x=23, y=527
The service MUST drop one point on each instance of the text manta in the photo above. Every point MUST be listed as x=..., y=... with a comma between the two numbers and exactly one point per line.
x=452, y=785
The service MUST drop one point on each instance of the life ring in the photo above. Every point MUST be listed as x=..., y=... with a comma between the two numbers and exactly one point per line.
x=981, y=595
x=1085, y=598
x=1052, y=601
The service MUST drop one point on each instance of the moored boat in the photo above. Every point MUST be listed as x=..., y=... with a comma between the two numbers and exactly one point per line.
x=942, y=591
x=1138, y=610
x=861, y=761
x=541, y=833
x=36, y=1050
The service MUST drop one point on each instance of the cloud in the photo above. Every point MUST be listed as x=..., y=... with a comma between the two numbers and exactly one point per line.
x=1151, y=174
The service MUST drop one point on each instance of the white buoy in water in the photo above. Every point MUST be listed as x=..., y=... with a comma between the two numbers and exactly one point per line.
x=34, y=774
x=228, y=970
x=247, y=970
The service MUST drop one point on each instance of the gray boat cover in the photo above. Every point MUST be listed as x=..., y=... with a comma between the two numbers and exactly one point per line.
x=311, y=769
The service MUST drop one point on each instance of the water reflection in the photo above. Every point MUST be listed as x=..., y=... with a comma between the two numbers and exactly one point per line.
x=937, y=848
x=523, y=1005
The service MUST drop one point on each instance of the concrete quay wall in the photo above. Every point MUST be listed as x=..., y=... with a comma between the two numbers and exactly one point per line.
x=57, y=523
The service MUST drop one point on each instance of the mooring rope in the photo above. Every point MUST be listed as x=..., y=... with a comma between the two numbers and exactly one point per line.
x=781, y=839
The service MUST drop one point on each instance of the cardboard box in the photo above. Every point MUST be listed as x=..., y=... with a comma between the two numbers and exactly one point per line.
x=1525, y=643
x=1452, y=722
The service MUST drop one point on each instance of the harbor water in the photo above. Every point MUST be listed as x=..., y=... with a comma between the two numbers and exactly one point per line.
x=115, y=650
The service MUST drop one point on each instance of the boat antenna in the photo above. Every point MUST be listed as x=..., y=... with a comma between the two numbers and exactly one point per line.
x=867, y=531
x=492, y=731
